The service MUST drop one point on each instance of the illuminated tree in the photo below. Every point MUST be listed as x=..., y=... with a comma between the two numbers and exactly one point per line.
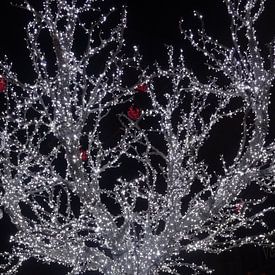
x=175, y=204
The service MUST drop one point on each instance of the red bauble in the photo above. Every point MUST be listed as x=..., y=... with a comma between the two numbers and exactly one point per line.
x=239, y=207
x=83, y=155
x=134, y=113
x=3, y=84
x=141, y=88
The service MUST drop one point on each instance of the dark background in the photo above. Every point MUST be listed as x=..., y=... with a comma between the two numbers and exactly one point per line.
x=151, y=25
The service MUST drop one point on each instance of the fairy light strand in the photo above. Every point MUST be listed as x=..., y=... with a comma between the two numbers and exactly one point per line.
x=86, y=236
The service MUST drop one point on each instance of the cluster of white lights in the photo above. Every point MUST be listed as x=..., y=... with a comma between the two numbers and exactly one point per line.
x=67, y=221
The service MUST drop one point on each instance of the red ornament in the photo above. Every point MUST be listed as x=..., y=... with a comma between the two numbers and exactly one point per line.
x=83, y=155
x=239, y=207
x=134, y=113
x=3, y=84
x=141, y=88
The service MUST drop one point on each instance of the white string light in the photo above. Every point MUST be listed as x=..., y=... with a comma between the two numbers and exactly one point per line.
x=60, y=216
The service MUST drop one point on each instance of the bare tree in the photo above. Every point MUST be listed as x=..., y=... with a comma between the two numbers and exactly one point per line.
x=186, y=206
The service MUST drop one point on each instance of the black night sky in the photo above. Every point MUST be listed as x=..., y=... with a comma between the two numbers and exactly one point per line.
x=151, y=25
